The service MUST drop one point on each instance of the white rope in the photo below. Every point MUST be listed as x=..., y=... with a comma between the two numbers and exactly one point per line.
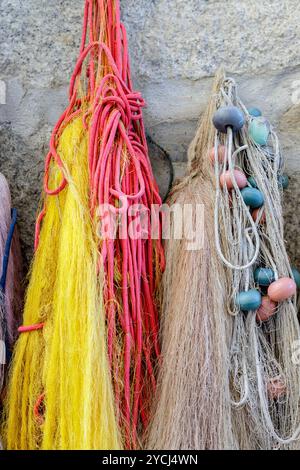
x=230, y=159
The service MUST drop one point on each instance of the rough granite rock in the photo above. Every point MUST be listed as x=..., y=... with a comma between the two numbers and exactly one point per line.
x=175, y=46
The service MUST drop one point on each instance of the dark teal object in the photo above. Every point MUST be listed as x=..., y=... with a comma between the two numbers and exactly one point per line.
x=252, y=182
x=269, y=152
x=283, y=181
x=264, y=276
x=250, y=300
x=296, y=276
x=259, y=130
x=253, y=197
x=255, y=112
x=228, y=116
x=5, y=261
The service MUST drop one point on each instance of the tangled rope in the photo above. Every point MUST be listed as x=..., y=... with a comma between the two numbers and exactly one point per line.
x=267, y=416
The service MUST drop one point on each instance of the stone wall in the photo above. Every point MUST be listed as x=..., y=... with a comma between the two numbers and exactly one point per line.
x=176, y=46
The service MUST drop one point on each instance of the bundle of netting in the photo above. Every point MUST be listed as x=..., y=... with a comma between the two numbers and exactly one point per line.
x=85, y=362
x=249, y=234
x=192, y=409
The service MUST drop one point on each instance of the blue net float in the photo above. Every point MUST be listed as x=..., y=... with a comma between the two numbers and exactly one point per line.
x=296, y=276
x=228, y=116
x=264, y=276
x=253, y=197
x=259, y=130
x=283, y=181
x=249, y=300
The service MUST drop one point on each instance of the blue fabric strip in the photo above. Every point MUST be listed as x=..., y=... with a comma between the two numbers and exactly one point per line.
x=5, y=261
x=7, y=249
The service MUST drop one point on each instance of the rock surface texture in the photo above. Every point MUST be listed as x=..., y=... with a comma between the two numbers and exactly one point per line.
x=176, y=47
